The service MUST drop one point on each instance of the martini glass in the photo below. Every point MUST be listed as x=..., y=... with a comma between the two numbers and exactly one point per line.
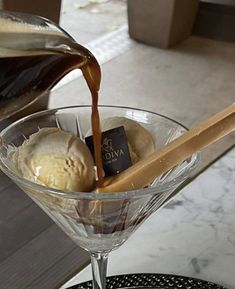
x=97, y=222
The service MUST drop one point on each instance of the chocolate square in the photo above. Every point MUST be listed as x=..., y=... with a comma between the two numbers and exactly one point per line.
x=115, y=151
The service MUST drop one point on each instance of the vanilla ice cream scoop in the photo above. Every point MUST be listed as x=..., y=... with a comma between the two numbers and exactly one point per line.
x=140, y=141
x=56, y=159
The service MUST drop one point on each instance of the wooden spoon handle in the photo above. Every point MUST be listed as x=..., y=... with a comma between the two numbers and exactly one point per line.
x=146, y=170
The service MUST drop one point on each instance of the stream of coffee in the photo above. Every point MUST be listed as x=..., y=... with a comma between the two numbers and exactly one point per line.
x=92, y=74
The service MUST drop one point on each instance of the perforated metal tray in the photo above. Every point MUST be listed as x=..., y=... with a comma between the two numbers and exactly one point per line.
x=160, y=281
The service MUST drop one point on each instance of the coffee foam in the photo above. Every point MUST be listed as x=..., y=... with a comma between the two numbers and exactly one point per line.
x=16, y=34
x=4, y=53
x=9, y=26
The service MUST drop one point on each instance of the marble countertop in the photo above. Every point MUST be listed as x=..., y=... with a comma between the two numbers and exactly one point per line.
x=193, y=235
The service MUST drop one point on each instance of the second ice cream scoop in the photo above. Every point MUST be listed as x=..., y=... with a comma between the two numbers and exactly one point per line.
x=140, y=141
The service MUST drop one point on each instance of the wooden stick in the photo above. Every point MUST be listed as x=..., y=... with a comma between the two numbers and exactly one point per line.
x=146, y=170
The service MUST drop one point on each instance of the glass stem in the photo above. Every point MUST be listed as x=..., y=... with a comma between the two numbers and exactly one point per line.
x=99, y=269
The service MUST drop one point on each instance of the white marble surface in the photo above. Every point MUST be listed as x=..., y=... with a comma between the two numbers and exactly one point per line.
x=194, y=235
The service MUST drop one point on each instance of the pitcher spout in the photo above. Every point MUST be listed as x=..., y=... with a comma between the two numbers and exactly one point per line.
x=35, y=54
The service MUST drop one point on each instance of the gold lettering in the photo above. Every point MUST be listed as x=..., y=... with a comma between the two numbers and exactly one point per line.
x=121, y=152
x=113, y=155
x=108, y=156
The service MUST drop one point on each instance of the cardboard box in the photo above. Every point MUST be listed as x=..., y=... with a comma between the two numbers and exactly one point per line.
x=161, y=23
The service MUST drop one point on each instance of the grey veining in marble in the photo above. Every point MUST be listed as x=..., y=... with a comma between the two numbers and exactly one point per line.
x=193, y=235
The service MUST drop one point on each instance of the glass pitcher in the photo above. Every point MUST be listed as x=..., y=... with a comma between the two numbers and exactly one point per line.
x=35, y=54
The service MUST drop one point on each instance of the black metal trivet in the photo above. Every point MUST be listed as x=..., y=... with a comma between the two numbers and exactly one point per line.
x=163, y=281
